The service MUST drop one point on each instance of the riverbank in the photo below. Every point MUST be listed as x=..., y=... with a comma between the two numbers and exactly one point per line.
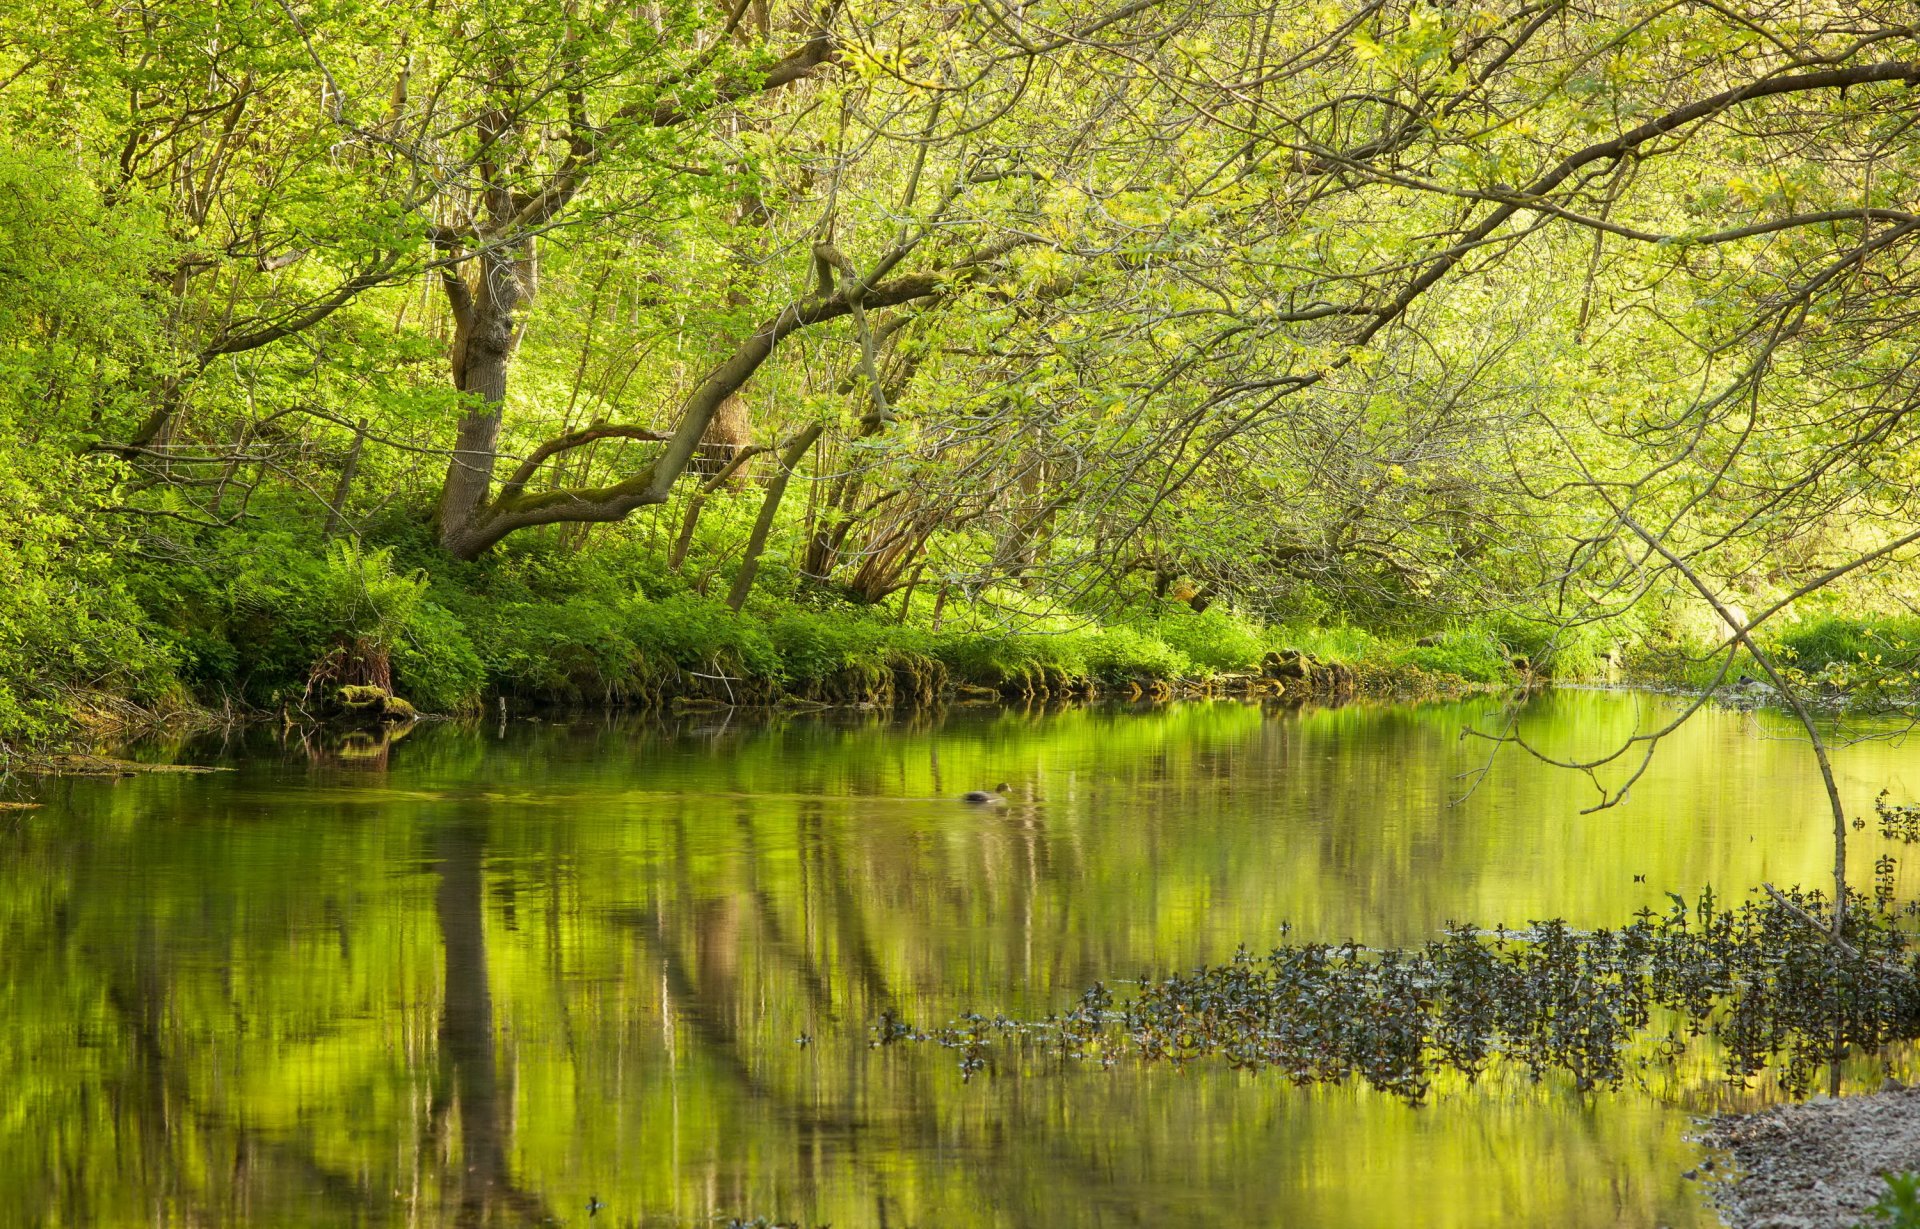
x=1815, y=1165
x=1286, y=677
x=283, y=633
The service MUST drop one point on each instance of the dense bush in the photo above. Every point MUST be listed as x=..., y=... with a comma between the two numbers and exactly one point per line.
x=1214, y=639
x=68, y=625
x=1834, y=641
x=1472, y=654
x=262, y=617
x=570, y=649
x=77, y=314
x=1118, y=654
x=815, y=648
x=435, y=664
x=1564, y=652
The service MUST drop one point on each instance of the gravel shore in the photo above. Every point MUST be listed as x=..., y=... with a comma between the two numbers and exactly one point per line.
x=1815, y=1165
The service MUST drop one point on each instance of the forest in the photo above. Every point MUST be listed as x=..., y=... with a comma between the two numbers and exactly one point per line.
x=613, y=352
x=531, y=529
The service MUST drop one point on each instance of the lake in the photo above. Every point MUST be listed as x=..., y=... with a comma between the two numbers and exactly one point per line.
x=623, y=969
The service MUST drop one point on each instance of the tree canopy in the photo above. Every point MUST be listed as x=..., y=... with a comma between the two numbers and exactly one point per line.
x=1376, y=313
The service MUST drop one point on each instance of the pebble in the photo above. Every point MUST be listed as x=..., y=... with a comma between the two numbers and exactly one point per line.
x=1816, y=1165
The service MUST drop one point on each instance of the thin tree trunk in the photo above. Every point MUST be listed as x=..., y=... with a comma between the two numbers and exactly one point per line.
x=678, y=554
x=906, y=594
x=776, y=490
x=344, y=487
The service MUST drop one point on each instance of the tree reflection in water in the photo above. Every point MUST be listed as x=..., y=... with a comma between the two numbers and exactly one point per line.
x=479, y=977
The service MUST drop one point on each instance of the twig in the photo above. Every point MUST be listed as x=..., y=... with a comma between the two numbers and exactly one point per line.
x=1846, y=949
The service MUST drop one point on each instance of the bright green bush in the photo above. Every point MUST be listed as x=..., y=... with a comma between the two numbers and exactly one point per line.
x=1815, y=645
x=814, y=648
x=1472, y=654
x=1213, y=638
x=1340, y=643
x=1118, y=654
x=78, y=312
x=435, y=664
x=696, y=633
x=573, y=649
x=68, y=624
x=283, y=611
x=1563, y=652
x=996, y=659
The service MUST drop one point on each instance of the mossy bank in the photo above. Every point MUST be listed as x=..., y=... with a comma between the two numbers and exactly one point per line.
x=284, y=631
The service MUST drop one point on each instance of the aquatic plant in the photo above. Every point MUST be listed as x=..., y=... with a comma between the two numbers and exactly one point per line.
x=1763, y=982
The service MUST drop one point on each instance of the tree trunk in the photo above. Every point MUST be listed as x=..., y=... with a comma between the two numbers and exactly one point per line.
x=471, y=522
x=486, y=335
x=730, y=430
x=336, y=507
x=677, y=554
x=776, y=490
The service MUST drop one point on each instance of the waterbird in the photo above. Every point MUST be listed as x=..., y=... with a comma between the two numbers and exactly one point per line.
x=594, y=1205
x=997, y=794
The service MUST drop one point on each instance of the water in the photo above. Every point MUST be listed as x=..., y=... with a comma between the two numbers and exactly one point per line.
x=484, y=975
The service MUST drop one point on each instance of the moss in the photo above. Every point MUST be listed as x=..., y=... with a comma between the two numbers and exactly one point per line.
x=364, y=702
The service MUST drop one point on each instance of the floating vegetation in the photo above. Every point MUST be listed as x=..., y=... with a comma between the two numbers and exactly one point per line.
x=1762, y=982
x=1898, y=821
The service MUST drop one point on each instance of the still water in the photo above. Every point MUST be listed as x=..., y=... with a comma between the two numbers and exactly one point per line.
x=489, y=975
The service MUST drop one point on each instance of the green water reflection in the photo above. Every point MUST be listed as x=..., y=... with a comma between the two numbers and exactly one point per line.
x=485, y=975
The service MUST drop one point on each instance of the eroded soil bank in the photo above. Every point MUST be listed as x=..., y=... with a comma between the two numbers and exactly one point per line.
x=1817, y=1164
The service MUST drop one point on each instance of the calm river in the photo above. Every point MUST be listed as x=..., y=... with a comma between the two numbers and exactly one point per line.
x=627, y=966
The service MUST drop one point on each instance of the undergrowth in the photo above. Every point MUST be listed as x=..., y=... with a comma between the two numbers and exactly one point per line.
x=268, y=616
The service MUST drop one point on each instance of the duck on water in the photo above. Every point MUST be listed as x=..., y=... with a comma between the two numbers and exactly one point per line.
x=997, y=794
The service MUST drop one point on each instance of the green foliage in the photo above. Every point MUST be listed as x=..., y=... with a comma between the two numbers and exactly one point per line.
x=1337, y=643
x=1002, y=659
x=1833, y=640
x=569, y=649
x=362, y=597
x=282, y=611
x=815, y=648
x=697, y=633
x=68, y=622
x=435, y=663
x=1875, y=661
x=1472, y=654
x=1214, y=638
x=212, y=286
x=76, y=315
x=1563, y=652
x=1899, y=1205
x=1125, y=654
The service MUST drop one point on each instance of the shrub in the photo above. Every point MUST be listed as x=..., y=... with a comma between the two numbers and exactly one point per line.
x=572, y=649
x=1214, y=638
x=814, y=648
x=1567, y=652
x=697, y=633
x=1899, y=1204
x=998, y=659
x=1837, y=641
x=1118, y=654
x=291, y=618
x=67, y=623
x=1341, y=644
x=1471, y=654
x=435, y=664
